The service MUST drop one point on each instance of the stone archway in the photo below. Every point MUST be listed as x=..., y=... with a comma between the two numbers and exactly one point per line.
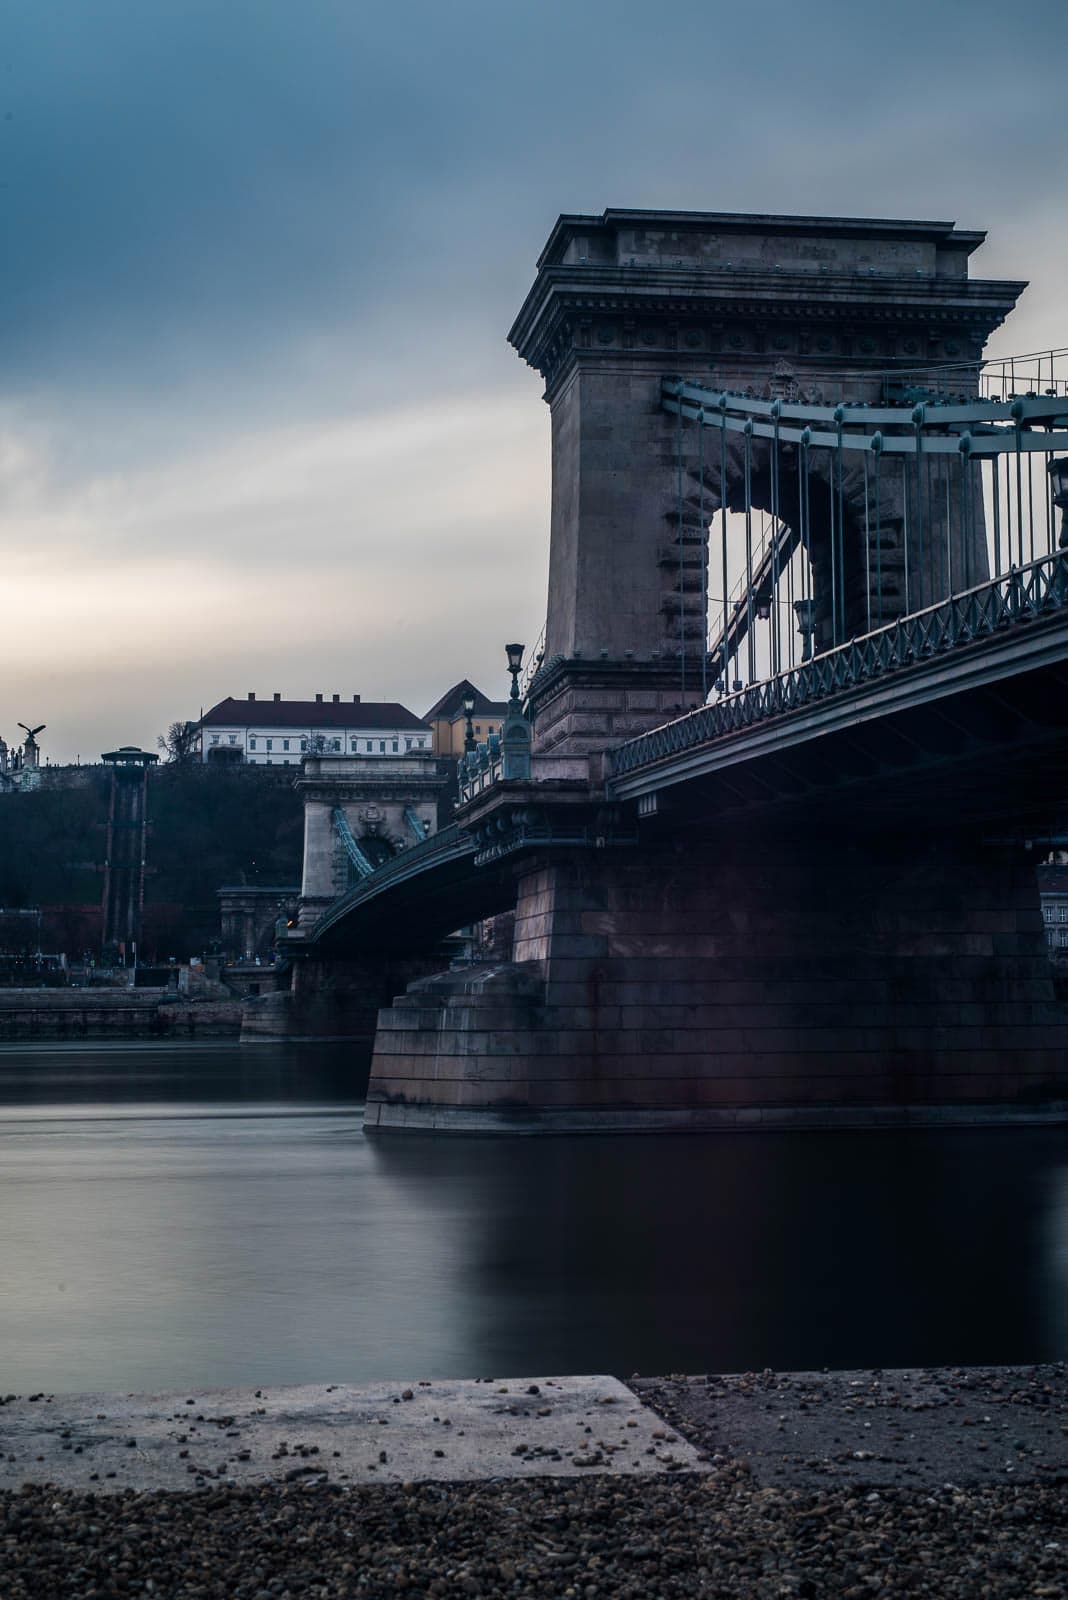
x=848, y=562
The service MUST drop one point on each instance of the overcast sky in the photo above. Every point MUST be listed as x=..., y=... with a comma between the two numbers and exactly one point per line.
x=259, y=425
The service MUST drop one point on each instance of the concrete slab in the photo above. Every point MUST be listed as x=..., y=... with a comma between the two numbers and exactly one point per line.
x=385, y=1432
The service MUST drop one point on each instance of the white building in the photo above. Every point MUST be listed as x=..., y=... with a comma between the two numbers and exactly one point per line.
x=279, y=732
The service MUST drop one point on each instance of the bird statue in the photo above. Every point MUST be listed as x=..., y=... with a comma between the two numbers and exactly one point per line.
x=31, y=741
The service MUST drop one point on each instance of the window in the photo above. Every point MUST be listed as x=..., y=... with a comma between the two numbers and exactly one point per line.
x=304, y=744
x=1062, y=937
x=478, y=727
x=352, y=746
x=395, y=747
x=1062, y=913
x=215, y=738
x=407, y=744
x=270, y=744
x=381, y=747
x=1047, y=912
x=233, y=738
x=422, y=744
x=337, y=744
x=370, y=746
x=252, y=744
x=285, y=744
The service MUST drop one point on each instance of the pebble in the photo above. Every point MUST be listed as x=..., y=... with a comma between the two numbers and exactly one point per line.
x=721, y=1535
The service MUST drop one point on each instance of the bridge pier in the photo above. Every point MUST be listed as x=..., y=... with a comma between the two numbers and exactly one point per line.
x=333, y=1000
x=747, y=981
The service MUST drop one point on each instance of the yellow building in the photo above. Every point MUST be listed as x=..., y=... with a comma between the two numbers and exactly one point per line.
x=448, y=719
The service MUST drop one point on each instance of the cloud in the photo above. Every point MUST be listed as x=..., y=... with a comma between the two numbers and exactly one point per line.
x=260, y=259
x=392, y=552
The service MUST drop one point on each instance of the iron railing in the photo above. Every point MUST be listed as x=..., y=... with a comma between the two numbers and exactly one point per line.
x=447, y=844
x=1025, y=594
x=992, y=377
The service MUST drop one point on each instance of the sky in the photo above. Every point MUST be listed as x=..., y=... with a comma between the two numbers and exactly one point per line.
x=260, y=427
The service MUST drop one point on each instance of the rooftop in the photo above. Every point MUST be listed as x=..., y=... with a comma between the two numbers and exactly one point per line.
x=945, y=234
x=311, y=714
x=451, y=704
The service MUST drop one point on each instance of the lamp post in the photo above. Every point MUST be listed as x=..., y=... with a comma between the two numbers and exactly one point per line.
x=805, y=611
x=515, y=735
x=1058, y=477
x=514, y=652
x=469, y=731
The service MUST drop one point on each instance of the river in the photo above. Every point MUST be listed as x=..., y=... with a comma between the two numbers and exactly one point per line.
x=178, y=1215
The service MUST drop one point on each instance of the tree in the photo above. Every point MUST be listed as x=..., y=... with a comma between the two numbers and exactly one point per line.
x=180, y=742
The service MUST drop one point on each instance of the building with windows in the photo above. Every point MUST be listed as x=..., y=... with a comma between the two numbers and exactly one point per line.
x=1053, y=893
x=279, y=732
x=447, y=719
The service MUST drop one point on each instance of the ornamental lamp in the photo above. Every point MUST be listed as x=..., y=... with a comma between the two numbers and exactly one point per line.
x=468, y=703
x=514, y=652
x=805, y=611
x=515, y=734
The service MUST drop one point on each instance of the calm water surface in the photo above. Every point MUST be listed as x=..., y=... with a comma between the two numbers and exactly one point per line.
x=184, y=1215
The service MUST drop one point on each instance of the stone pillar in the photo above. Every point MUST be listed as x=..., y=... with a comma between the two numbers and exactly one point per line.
x=334, y=998
x=318, y=877
x=820, y=982
x=811, y=309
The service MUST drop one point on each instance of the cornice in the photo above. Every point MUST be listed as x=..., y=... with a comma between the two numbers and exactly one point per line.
x=714, y=290
x=946, y=235
x=857, y=336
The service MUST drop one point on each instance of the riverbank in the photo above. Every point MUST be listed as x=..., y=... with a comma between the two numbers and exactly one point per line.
x=854, y=1485
x=29, y=1014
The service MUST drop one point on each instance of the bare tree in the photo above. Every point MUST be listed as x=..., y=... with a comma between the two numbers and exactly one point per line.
x=180, y=742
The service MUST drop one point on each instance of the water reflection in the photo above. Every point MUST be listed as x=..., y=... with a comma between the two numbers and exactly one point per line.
x=201, y=1214
x=725, y=1253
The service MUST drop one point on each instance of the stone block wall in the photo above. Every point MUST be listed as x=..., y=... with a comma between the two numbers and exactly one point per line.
x=680, y=985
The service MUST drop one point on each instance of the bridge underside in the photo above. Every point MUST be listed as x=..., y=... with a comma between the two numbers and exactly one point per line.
x=989, y=756
x=789, y=939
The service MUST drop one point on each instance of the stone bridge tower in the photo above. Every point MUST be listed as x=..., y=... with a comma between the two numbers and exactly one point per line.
x=810, y=308
x=377, y=804
x=358, y=811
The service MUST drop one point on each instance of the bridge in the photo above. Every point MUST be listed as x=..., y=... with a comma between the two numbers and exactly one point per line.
x=768, y=820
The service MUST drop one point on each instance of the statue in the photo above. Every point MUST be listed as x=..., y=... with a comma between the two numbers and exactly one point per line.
x=30, y=746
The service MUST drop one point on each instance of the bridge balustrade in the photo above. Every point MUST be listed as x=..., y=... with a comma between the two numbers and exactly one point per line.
x=1023, y=595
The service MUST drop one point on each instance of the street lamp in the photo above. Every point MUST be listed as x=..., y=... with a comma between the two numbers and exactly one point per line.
x=515, y=734
x=514, y=652
x=1058, y=477
x=468, y=703
x=805, y=611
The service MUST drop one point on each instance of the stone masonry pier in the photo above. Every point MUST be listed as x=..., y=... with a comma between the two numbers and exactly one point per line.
x=811, y=983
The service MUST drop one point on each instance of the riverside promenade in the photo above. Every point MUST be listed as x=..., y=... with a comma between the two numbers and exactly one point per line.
x=946, y=1482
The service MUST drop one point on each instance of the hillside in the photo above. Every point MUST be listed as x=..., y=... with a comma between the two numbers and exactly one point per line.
x=207, y=827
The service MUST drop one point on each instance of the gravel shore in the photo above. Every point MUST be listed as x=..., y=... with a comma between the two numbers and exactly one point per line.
x=787, y=1505
x=602, y=1539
